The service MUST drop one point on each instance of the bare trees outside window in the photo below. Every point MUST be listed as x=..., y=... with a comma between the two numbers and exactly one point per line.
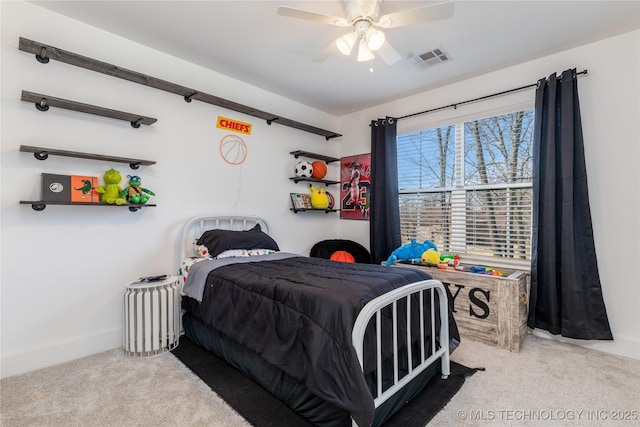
x=467, y=186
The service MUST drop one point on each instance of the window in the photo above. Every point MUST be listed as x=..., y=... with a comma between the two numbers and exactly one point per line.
x=467, y=188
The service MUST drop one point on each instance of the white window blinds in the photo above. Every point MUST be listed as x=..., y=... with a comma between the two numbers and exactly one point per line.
x=467, y=187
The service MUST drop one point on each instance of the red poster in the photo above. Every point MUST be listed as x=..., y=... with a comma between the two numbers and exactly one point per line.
x=355, y=180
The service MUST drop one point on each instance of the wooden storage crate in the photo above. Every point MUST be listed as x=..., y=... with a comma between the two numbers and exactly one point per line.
x=489, y=309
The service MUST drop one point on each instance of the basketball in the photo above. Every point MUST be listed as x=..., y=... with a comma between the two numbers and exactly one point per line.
x=342, y=256
x=319, y=169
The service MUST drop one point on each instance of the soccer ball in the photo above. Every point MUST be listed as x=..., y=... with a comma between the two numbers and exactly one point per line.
x=304, y=169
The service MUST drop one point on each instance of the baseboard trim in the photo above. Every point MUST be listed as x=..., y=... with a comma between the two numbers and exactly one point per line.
x=49, y=355
x=621, y=345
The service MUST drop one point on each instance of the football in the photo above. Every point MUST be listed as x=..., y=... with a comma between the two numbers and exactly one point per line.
x=304, y=169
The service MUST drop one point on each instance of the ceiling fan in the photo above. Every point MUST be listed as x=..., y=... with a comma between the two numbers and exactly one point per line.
x=363, y=16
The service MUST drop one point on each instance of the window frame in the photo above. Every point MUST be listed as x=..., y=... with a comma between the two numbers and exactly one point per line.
x=458, y=117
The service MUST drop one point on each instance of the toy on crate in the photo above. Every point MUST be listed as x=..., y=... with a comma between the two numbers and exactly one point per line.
x=449, y=261
x=319, y=199
x=411, y=252
x=111, y=190
x=449, y=258
x=135, y=193
x=304, y=169
x=485, y=270
x=444, y=260
x=430, y=257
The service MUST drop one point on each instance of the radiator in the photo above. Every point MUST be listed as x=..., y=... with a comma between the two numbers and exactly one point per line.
x=152, y=320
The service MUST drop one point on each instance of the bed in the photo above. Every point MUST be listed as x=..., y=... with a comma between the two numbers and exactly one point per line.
x=339, y=343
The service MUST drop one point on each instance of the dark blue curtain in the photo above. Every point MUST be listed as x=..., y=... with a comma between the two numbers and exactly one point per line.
x=566, y=295
x=384, y=223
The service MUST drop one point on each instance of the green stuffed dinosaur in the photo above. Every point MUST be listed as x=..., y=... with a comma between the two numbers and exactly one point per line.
x=134, y=193
x=110, y=192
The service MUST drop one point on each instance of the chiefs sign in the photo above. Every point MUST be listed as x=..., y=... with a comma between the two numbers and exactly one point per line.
x=233, y=125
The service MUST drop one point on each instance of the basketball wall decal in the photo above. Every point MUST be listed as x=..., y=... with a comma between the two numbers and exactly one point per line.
x=233, y=149
x=319, y=169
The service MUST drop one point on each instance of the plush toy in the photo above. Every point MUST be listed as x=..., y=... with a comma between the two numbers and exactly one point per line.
x=430, y=256
x=319, y=199
x=110, y=191
x=134, y=193
x=449, y=258
x=202, y=250
x=411, y=251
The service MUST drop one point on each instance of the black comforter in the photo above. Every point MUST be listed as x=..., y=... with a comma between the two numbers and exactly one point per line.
x=298, y=314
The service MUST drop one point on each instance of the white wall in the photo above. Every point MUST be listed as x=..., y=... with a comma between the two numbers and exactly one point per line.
x=64, y=269
x=610, y=106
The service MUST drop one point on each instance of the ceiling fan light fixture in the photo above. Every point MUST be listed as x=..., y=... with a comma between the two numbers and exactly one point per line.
x=375, y=39
x=364, y=53
x=385, y=22
x=346, y=42
x=361, y=16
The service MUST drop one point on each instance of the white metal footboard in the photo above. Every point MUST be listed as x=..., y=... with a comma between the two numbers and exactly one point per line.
x=390, y=299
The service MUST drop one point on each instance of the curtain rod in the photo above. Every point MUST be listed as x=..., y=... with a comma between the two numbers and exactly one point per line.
x=477, y=99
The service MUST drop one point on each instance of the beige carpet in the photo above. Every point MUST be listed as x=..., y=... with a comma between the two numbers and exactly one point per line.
x=547, y=384
x=112, y=389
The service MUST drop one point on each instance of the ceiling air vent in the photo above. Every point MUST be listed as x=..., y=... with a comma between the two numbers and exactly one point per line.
x=427, y=59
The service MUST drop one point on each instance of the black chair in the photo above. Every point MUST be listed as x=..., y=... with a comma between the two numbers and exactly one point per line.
x=326, y=248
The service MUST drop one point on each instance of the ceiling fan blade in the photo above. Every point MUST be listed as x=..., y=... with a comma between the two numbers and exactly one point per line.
x=327, y=51
x=388, y=54
x=292, y=12
x=434, y=12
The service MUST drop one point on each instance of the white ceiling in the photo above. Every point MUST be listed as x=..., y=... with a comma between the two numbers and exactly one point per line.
x=249, y=41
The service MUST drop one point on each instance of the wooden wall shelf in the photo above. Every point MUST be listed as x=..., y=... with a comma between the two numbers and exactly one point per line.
x=297, y=179
x=45, y=52
x=296, y=210
x=43, y=102
x=39, y=205
x=326, y=159
x=42, y=153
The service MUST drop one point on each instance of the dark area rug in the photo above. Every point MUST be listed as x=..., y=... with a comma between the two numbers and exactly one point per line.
x=262, y=409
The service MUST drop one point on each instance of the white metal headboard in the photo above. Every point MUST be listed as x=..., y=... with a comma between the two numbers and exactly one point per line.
x=194, y=228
